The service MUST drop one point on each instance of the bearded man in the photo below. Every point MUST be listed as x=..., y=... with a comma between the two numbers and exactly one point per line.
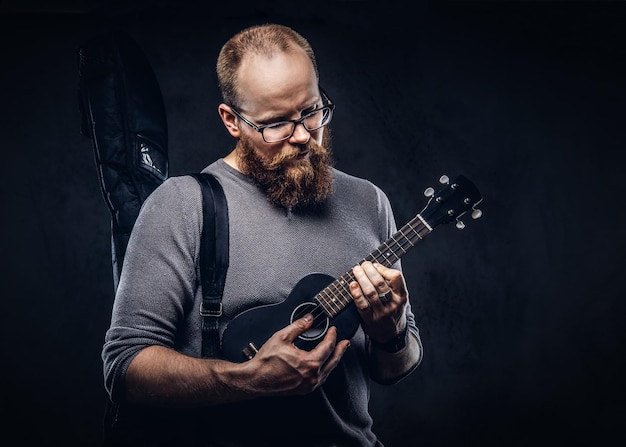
x=291, y=213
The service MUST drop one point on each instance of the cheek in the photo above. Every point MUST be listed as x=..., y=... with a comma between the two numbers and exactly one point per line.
x=261, y=148
x=268, y=152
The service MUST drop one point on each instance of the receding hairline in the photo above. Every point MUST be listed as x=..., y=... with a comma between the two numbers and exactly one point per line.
x=261, y=40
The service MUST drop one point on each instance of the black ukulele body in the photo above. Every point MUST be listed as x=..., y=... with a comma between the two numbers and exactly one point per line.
x=249, y=330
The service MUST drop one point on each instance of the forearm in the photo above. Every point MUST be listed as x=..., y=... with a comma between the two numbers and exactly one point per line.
x=162, y=376
x=388, y=367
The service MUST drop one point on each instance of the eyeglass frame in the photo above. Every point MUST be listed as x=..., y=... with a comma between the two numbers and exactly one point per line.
x=329, y=105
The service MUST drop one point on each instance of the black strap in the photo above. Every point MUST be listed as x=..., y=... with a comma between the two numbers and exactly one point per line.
x=213, y=260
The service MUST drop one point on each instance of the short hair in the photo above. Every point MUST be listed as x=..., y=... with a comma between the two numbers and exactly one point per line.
x=265, y=39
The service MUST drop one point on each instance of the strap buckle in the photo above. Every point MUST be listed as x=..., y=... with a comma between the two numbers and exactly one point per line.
x=204, y=312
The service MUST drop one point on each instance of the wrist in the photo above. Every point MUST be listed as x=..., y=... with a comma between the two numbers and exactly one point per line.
x=393, y=345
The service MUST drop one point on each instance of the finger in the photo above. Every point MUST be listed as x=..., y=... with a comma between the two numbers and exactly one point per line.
x=376, y=278
x=297, y=327
x=371, y=282
x=393, y=277
x=325, y=348
x=396, y=282
x=328, y=353
x=360, y=301
x=385, y=297
x=367, y=287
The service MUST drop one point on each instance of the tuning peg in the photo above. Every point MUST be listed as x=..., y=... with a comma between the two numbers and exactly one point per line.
x=429, y=192
x=476, y=213
x=459, y=224
x=444, y=179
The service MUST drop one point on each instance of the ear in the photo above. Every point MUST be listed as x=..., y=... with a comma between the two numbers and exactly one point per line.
x=229, y=119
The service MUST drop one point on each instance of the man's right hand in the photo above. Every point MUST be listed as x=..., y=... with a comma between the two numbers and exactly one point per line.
x=284, y=369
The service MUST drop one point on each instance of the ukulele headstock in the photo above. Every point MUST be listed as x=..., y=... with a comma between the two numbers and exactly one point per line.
x=454, y=199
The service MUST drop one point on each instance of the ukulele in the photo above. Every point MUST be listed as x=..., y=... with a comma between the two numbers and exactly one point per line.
x=328, y=299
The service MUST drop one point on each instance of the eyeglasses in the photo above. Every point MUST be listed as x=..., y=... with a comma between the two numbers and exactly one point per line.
x=283, y=130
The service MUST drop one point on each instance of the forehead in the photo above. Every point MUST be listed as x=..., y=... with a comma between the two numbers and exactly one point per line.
x=280, y=80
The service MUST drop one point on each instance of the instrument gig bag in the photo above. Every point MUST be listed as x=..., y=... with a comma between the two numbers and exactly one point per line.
x=123, y=114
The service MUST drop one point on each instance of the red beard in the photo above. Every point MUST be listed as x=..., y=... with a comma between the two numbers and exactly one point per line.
x=286, y=181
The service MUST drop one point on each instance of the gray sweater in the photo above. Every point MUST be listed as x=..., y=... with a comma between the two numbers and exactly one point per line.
x=270, y=250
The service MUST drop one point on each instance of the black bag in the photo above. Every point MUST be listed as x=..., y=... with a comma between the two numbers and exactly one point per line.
x=124, y=116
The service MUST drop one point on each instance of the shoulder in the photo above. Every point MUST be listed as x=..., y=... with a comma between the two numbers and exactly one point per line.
x=358, y=189
x=175, y=204
x=177, y=191
x=349, y=179
x=361, y=199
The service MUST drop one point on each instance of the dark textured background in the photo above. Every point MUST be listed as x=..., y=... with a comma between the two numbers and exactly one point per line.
x=520, y=313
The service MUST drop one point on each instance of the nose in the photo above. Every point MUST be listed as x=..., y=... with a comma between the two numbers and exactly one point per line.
x=300, y=134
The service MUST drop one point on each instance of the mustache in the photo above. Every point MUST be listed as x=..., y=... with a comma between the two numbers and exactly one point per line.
x=292, y=152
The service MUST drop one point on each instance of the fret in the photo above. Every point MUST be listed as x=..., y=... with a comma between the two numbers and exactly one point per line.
x=401, y=232
x=329, y=302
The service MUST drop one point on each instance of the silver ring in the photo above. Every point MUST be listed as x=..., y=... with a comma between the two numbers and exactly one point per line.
x=385, y=297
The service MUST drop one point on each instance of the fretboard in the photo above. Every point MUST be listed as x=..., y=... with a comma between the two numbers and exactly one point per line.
x=336, y=296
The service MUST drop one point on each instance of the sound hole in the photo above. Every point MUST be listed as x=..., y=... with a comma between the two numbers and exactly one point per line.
x=320, y=321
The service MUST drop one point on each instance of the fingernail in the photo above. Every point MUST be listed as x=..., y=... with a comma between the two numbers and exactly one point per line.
x=308, y=318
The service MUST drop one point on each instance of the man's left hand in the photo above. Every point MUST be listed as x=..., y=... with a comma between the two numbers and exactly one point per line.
x=381, y=296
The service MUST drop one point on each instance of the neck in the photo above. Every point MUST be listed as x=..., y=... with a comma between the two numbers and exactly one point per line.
x=233, y=160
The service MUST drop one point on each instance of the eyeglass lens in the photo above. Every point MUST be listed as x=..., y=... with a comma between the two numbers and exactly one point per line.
x=284, y=130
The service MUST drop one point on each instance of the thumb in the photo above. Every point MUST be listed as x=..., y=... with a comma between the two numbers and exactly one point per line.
x=299, y=326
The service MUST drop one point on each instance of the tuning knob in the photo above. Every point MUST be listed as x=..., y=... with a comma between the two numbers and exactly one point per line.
x=444, y=179
x=429, y=192
x=476, y=213
x=459, y=224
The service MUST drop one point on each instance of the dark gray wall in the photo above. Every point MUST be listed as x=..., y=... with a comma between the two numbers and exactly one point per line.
x=520, y=313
